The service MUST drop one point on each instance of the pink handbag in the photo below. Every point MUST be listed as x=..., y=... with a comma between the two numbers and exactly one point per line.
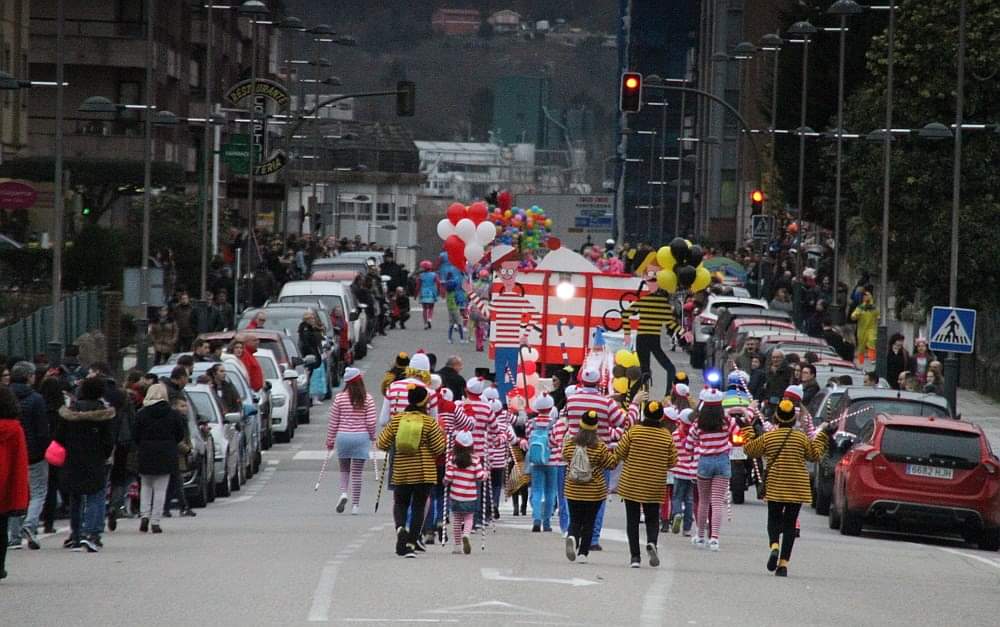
x=55, y=454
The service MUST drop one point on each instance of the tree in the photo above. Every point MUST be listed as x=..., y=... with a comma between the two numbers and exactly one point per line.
x=96, y=258
x=921, y=187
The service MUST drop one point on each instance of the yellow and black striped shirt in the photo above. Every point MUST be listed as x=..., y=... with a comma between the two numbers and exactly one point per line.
x=787, y=477
x=654, y=311
x=648, y=452
x=418, y=467
x=601, y=459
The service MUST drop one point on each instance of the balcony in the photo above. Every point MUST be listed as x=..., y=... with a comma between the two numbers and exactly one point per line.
x=90, y=42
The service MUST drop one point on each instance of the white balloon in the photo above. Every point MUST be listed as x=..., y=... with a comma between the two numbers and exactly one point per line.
x=466, y=229
x=445, y=229
x=486, y=232
x=473, y=252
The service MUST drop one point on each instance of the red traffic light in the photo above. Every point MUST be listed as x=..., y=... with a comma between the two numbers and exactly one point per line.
x=630, y=97
x=757, y=196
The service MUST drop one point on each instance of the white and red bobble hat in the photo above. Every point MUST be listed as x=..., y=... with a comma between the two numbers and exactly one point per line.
x=590, y=375
x=682, y=390
x=420, y=361
x=436, y=381
x=685, y=415
x=495, y=404
x=350, y=374
x=491, y=394
x=542, y=403
x=475, y=386
x=793, y=392
x=446, y=394
x=711, y=396
x=463, y=438
x=672, y=414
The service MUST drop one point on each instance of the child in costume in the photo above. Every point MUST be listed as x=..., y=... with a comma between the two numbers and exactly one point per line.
x=462, y=473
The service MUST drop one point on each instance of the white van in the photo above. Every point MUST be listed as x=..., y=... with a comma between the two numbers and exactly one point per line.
x=331, y=294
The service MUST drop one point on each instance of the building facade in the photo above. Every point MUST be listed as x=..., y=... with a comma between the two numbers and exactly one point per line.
x=519, y=106
x=456, y=21
x=14, y=28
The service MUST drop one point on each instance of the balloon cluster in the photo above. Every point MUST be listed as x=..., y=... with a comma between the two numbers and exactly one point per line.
x=626, y=372
x=681, y=266
x=528, y=228
x=466, y=233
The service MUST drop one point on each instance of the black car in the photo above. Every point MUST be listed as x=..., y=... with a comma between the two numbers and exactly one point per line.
x=198, y=466
x=856, y=407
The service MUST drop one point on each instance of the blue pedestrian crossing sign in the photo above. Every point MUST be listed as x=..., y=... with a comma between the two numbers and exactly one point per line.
x=953, y=329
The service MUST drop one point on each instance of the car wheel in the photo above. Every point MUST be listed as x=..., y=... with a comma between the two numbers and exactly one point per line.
x=257, y=458
x=834, y=518
x=282, y=437
x=698, y=355
x=822, y=495
x=850, y=522
x=211, y=473
x=989, y=539
x=200, y=498
x=738, y=482
x=235, y=482
x=225, y=488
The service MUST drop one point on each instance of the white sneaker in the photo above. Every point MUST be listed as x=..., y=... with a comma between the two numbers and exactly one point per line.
x=713, y=544
x=354, y=510
x=581, y=559
x=342, y=503
x=570, y=548
x=697, y=542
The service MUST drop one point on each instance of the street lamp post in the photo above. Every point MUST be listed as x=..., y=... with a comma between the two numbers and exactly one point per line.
x=882, y=337
x=742, y=52
x=842, y=9
x=772, y=43
x=319, y=32
x=804, y=30
x=59, y=200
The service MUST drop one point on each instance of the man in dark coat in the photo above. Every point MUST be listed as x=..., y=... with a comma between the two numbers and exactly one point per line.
x=36, y=435
x=84, y=430
x=451, y=377
x=183, y=317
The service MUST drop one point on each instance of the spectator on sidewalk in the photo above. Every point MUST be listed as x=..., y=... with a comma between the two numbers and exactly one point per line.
x=164, y=335
x=13, y=468
x=35, y=423
x=897, y=361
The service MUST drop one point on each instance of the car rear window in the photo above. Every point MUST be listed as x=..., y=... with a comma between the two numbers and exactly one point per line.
x=865, y=410
x=934, y=446
x=270, y=372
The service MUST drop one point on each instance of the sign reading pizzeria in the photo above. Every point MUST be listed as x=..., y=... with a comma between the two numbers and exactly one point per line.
x=15, y=195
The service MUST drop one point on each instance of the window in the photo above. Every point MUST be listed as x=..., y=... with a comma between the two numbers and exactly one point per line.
x=383, y=212
x=938, y=446
x=402, y=213
x=348, y=209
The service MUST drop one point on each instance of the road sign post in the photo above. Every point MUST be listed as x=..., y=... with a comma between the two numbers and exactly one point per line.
x=762, y=227
x=952, y=330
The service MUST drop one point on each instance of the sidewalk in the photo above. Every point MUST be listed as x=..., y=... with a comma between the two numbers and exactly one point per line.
x=982, y=410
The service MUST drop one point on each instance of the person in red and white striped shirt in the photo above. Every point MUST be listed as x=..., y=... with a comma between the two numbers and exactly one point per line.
x=684, y=474
x=710, y=438
x=351, y=431
x=418, y=373
x=462, y=475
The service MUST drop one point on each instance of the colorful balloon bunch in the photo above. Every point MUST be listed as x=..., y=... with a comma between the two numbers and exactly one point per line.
x=626, y=371
x=681, y=266
x=527, y=228
x=466, y=233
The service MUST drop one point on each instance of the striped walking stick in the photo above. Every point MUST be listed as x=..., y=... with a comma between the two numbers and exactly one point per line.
x=381, y=481
x=322, y=470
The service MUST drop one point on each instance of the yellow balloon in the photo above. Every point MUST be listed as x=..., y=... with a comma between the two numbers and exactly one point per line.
x=633, y=360
x=702, y=279
x=621, y=357
x=665, y=258
x=667, y=280
x=620, y=385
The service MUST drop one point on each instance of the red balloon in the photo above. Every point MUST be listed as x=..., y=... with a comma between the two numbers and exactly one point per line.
x=553, y=243
x=456, y=211
x=454, y=244
x=531, y=391
x=504, y=200
x=478, y=212
x=530, y=367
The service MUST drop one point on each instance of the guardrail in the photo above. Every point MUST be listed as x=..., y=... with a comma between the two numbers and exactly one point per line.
x=81, y=312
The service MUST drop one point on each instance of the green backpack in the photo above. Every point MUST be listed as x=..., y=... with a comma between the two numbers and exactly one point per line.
x=411, y=426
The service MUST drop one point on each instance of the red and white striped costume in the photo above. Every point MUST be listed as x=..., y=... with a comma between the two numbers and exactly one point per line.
x=510, y=314
x=397, y=399
x=345, y=418
x=687, y=461
x=711, y=443
x=462, y=481
x=609, y=413
x=555, y=440
x=500, y=435
x=477, y=416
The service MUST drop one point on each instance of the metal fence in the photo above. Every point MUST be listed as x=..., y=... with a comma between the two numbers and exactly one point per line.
x=81, y=312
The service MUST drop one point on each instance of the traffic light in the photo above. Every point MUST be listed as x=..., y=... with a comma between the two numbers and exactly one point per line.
x=406, y=94
x=757, y=201
x=86, y=211
x=630, y=98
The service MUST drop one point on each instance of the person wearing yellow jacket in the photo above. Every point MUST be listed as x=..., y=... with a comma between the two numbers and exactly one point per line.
x=866, y=315
x=786, y=450
x=414, y=473
x=648, y=452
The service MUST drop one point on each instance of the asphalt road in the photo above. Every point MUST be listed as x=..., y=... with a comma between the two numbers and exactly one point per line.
x=276, y=553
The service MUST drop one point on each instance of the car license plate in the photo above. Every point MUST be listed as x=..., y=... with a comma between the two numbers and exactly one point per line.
x=934, y=472
x=737, y=453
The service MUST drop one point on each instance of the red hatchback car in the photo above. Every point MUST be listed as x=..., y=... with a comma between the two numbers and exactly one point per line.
x=924, y=473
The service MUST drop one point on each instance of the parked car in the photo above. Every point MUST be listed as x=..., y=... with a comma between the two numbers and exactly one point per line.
x=719, y=350
x=332, y=294
x=796, y=343
x=286, y=351
x=340, y=264
x=259, y=402
x=919, y=473
x=226, y=435
x=283, y=397
x=856, y=408
x=704, y=323
x=199, y=477
x=287, y=317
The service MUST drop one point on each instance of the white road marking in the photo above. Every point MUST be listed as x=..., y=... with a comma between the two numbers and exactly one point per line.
x=654, y=602
x=397, y=620
x=273, y=462
x=58, y=530
x=492, y=608
x=494, y=574
x=323, y=595
x=978, y=558
x=320, y=455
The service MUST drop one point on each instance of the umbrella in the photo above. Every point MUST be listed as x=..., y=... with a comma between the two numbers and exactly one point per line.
x=727, y=266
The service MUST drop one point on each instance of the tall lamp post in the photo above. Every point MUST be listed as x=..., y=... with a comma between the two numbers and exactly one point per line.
x=882, y=337
x=804, y=30
x=772, y=43
x=742, y=52
x=842, y=9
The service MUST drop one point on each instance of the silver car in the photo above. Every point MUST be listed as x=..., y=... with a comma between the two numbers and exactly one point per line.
x=283, y=395
x=226, y=433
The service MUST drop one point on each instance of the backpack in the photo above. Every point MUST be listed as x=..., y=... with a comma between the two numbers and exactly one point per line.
x=538, y=446
x=579, y=470
x=411, y=426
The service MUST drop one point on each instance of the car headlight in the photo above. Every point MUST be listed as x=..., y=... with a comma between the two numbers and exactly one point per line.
x=278, y=401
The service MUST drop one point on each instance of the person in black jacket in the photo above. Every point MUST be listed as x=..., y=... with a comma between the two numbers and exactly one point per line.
x=84, y=430
x=35, y=423
x=158, y=431
x=779, y=377
x=451, y=377
x=897, y=361
x=53, y=391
